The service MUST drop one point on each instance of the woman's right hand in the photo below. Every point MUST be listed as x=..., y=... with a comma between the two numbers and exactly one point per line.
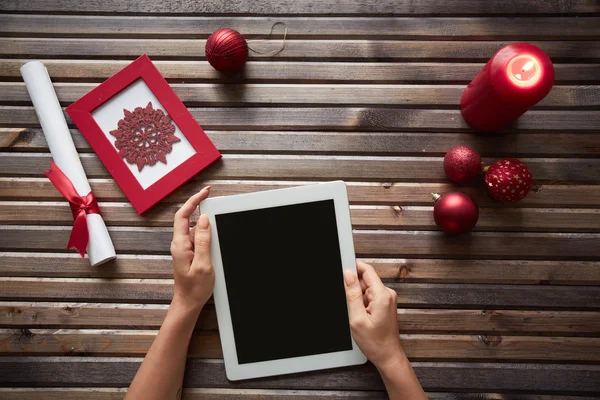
x=373, y=316
x=192, y=267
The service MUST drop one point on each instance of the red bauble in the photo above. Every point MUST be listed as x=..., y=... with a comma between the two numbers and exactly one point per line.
x=226, y=50
x=455, y=212
x=508, y=180
x=462, y=164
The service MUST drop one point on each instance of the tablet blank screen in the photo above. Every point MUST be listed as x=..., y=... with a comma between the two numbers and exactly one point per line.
x=283, y=273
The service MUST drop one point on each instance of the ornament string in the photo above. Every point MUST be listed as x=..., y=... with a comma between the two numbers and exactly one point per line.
x=80, y=207
x=277, y=51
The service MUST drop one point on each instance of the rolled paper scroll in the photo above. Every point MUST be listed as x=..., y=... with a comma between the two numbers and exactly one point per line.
x=100, y=248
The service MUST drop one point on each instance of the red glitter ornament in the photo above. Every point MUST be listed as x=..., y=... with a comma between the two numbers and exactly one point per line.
x=455, y=212
x=462, y=164
x=508, y=180
x=226, y=50
x=145, y=136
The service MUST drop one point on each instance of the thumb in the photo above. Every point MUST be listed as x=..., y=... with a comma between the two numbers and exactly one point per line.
x=354, y=295
x=202, y=238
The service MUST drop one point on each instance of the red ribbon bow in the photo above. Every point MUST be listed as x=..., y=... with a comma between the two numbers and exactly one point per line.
x=80, y=207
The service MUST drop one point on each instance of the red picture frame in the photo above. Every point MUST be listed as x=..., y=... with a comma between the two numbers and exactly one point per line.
x=81, y=114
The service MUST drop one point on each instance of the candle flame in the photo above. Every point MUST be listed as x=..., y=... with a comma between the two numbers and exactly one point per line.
x=527, y=66
x=524, y=71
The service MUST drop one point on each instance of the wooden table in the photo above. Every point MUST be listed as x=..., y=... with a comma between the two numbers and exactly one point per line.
x=365, y=91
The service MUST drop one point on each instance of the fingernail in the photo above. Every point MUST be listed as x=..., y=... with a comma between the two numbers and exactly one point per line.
x=349, y=278
x=202, y=223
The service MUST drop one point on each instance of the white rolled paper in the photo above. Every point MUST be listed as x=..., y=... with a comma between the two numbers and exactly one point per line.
x=100, y=248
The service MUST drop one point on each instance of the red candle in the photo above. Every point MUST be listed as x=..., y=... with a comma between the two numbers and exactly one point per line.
x=516, y=78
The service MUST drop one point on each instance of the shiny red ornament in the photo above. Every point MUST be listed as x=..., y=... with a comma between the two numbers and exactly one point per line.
x=226, y=50
x=462, y=164
x=455, y=212
x=508, y=180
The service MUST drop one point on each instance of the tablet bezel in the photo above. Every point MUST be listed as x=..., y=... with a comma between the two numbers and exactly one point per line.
x=335, y=191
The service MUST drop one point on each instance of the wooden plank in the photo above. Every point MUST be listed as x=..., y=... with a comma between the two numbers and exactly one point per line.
x=488, y=271
x=101, y=316
x=492, y=296
x=470, y=377
x=357, y=143
x=81, y=290
x=477, y=28
x=72, y=265
x=373, y=50
x=496, y=322
x=385, y=193
x=98, y=343
x=350, y=168
x=363, y=217
x=410, y=295
x=253, y=394
x=417, y=244
x=410, y=321
x=354, y=119
x=390, y=270
x=305, y=72
x=210, y=394
x=387, y=7
x=209, y=94
x=109, y=343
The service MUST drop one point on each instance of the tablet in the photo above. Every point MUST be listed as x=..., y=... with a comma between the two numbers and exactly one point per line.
x=279, y=258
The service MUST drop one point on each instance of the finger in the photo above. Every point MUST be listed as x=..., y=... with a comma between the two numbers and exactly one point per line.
x=363, y=285
x=369, y=276
x=202, y=239
x=365, y=301
x=192, y=233
x=181, y=222
x=354, y=295
x=394, y=297
x=368, y=296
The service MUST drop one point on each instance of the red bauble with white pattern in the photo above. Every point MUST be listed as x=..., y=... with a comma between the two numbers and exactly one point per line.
x=508, y=180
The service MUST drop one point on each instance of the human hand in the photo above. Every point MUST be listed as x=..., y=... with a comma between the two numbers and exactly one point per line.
x=373, y=316
x=192, y=267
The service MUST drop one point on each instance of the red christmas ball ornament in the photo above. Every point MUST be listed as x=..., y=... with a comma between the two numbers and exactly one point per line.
x=226, y=50
x=462, y=164
x=508, y=180
x=455, y=212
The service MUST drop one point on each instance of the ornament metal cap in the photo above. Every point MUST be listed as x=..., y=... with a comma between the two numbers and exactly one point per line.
x=435, y=196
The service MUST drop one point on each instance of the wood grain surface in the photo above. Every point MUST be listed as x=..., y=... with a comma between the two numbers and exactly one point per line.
x=256, y=394
x=310, y=167
x=439, y=96
x=474, y=377
x=355, y=7
x=350, y=119
x=292, y=71
x=295, y=50
x=65, y=342
x=31, y=264
x=45, y=315
x=460, y=28
x=364, y=91
x=414, y=295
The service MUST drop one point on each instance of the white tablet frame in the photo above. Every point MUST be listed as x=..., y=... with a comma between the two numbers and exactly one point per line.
x=335, y=191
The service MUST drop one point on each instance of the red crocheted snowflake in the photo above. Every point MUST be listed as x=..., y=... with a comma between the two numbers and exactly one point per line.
x=145, y=136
